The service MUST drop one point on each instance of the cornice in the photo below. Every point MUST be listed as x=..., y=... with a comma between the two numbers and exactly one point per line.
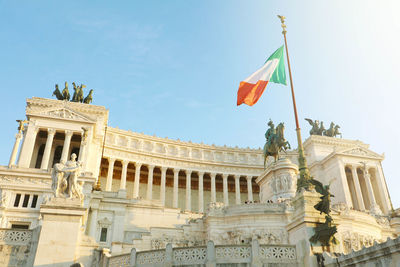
x=333, y=141
x=182, y=143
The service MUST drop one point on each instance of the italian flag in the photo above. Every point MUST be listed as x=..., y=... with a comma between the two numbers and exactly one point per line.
x=251, y=89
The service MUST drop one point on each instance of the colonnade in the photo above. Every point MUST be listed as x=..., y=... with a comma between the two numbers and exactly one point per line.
x=364, y=195
x=29, y=143
x=188, y=178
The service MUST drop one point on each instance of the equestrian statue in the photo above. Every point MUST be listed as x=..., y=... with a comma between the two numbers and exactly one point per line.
x=275, y=141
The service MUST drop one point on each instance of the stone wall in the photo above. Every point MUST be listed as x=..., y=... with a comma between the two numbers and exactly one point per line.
x=384, y=254
x=17, y=247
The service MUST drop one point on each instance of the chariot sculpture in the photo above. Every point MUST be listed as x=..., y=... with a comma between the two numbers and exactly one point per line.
x=76, y=97
x=319, y=129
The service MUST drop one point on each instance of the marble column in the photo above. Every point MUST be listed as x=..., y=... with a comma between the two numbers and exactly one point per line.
x=162, y=186
x=237, y=189
x=67, y=143
x=379, y=176
x=47, y=149
x=343, y=179
x=27, y=145
x=149, y=193
x=176, y=188
x=122, y=185
x=249, y=188
x=357, y=186
x=111, y=162
x=14, y=152
x=201, y=192
x=188, y=190
x=374, y=208
x=225, y=188
x=213, y=192
x=82, y=149
x=137, y=180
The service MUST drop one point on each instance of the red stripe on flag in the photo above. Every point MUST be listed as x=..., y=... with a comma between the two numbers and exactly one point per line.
x=249, y=93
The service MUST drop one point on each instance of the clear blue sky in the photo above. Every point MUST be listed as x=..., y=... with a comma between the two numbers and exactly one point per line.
x=172, y=68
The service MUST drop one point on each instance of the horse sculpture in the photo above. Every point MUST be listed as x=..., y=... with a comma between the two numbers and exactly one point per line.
x=57, y=93
x=89, y=97
x=276, y=141
x=333, y=131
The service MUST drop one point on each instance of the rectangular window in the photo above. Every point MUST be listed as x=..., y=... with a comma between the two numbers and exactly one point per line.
x=34, y=201
x=26, y=200
x=17, y=199
x=103, y=235
x=19, y=226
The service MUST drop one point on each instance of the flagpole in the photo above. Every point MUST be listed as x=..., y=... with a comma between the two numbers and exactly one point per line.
x=304, y=180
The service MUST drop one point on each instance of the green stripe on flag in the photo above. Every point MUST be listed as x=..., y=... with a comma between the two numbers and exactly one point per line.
x=279, y=75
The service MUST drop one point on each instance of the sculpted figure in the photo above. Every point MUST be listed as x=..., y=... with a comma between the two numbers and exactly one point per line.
x=89, y=97
x=65, y=179
x=80, y=93
x=275, y=141
x=59, y=183
x=57, y=93
x=333, y=131
x=21, y=125
x=75, y=95
x=65, y=92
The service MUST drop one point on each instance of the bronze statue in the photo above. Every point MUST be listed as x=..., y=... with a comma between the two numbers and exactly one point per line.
x=324, y=205
x=80, y=93
x=316, y=129
x=65, y=92
x=57, y=93
x=333, y=131
x=89, y=97
x=21, y=125
x=325, y=233
x=275, y=141
x=75, y=95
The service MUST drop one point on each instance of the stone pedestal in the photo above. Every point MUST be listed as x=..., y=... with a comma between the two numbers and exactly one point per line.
x=278, y=181
x=59, y=236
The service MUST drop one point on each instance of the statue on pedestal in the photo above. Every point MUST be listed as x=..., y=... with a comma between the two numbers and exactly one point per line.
x=65, y=179
x=275, y=141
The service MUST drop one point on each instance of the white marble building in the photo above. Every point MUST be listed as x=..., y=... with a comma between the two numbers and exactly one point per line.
x=157, y=191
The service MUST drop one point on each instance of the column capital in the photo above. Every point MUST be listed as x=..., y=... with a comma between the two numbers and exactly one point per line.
x=110, y=159
x=151, y=166
x=213, y=174
x=68, y=133
x=188, y=172
x=237, y=176
x=248, y=177
x=200, y=173
x=176, y=170
x=138, y=164
x=18, y=135
x=225, y=176
x=35, y=128
x=164, y=169
x=125, y=162
x=51, y=131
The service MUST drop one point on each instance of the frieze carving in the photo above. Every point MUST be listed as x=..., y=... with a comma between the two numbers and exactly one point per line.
x=358, y=151
x=25, y=181
x=355, y=241
x=243, y=236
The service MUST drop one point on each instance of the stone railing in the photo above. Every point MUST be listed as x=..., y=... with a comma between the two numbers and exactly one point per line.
x=15, y=237
x=254, y=255
x=16, y=247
